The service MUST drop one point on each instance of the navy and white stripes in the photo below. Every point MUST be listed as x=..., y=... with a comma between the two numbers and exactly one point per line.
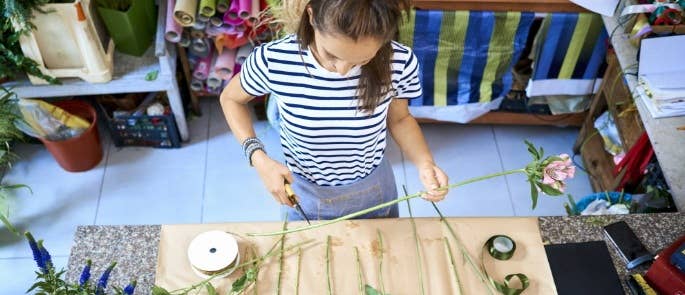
x=325, y=137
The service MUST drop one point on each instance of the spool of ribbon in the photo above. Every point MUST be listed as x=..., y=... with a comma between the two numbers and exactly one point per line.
x=207, y=8
x=213, y=252
x=185, y=11
x=231, y=15
x=173, y=30
x=222, y=5
x=243, y=52
x=502, y=247
x=225, y=63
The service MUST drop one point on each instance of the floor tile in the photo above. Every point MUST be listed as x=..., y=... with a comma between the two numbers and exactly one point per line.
x=233, y=190
x=60, y=200
x=22, y=273
x=553, y=140
x=462, y=152
x=153, y=186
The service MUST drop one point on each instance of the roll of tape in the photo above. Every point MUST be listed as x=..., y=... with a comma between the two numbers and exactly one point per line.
x=213, y=252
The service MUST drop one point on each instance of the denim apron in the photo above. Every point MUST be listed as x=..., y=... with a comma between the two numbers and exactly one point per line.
x=330, y=202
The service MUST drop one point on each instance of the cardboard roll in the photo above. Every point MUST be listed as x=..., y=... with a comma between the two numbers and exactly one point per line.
x=213, y=252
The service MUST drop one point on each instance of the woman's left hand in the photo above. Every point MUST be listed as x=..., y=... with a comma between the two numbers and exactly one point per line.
x=433, y=178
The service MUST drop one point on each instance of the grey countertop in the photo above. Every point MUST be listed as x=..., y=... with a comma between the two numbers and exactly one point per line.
x=134, y=248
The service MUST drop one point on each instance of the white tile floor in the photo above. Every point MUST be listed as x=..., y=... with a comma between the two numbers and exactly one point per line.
x=208, y=181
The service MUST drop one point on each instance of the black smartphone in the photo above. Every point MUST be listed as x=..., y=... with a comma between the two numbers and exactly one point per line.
x=627, y=243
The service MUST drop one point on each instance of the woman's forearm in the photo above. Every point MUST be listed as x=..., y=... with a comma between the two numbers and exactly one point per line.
x=234, y=105
x=408, y=136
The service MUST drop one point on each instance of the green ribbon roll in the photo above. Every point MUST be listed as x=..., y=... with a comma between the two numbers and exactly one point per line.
x=207, y=8
x=502, y=247
x=223, y=5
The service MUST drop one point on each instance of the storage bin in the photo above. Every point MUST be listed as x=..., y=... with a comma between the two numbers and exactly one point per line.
x=131, y=30
x=69, y=42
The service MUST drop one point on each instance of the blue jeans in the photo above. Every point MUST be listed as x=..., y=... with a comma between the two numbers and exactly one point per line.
x=330, y=202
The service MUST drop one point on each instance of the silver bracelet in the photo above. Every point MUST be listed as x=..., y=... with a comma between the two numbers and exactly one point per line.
x=250, y=146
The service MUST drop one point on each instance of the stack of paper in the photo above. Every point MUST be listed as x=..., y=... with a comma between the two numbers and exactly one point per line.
x=661, y=83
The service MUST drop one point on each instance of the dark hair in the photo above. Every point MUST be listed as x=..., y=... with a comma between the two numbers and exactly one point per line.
x=355, y=19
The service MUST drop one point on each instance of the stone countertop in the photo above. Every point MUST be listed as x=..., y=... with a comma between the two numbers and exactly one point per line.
x=134, y=248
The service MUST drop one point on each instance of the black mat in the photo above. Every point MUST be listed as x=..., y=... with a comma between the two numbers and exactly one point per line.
x=583, y=268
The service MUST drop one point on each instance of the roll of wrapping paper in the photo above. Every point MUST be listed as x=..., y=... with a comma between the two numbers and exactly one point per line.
x=185, y=39
x=197, y=85
x=502, y=247
x=242, y=53
x=207, y=8
x=244, y=8
x=216, y=21
x=213, y=79
x=173, y=30
x=197, y=34
x=232, y=41
x=201, y=18
x=185, y=11
x=199, y=26
x=240, y=28
x=254, y=12
x=222, y=5
x=236, y=69
x=201, y=70
x=231, y=15
x=200, y=47
x=225, y=63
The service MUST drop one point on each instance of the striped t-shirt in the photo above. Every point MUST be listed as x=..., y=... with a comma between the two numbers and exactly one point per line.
x=325, y=137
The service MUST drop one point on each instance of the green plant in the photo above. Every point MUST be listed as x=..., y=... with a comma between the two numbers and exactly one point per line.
x=15, y=21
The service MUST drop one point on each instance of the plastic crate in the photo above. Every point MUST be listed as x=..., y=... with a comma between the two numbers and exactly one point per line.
x=142, y=130
x=69, y=42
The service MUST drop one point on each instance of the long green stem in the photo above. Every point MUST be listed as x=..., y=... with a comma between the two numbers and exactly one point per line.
x=386, y=204
x=454, y=266
x=380, y=262
x=255, y=290
x=416, y=241
x=280, y=258
x=463, y=250
x=328, y=264
x=359, y=272
x=299, y=266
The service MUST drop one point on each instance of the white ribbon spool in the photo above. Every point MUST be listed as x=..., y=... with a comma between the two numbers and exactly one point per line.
x=213, y=252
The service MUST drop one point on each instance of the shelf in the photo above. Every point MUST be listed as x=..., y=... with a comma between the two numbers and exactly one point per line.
x=509, y=118
x=667, y=140
x=501, y=5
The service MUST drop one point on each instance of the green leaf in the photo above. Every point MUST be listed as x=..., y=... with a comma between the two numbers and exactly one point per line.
x=17, y=186
x=368, y=290
x=210, y=289
x=239, y=284
x=8, y=225
x=533, y=193
x=548, y=190
x=151, y=76
x=532, y=150
x=572, y=204
x=541, y=154
x=157, y=290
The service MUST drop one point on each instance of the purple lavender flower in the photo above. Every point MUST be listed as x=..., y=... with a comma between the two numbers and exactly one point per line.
x=45, y=255
x=85, y=274
x=37, y=256
x=102, y=282
x=128, y=290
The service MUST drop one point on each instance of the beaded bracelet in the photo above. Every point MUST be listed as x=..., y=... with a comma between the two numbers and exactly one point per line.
x=250, y=146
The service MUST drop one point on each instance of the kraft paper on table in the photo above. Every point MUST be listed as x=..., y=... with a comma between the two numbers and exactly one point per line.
x=400, y=274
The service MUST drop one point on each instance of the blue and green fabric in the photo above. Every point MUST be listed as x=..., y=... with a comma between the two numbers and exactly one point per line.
x=569, y=55
x=465, y=56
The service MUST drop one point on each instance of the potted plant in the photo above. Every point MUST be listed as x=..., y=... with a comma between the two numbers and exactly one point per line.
x=131, y=24
x=12, y=60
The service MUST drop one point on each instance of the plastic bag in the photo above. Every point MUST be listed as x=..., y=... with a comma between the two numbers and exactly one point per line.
x=47, y=121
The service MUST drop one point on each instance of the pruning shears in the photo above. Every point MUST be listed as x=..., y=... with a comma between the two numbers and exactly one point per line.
x=293, y=199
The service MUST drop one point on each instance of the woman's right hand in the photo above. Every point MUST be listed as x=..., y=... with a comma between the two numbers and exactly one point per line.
x=273, y=175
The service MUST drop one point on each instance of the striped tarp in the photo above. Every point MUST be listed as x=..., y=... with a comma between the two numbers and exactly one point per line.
x=569, y=55
x=466, y=56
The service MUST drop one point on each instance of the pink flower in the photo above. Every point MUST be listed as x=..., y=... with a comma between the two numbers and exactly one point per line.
x=558, y=170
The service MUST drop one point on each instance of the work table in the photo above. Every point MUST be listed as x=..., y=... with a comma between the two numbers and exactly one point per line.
x=134, y=247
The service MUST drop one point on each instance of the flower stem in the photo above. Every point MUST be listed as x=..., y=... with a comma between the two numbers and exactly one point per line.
x=359, y=271
x=328, y=264
x=416, y=241
x=386, y=204
x=463, y=250
x=454, y=266
x=280, y=257
x=299, y=266
x=380, y=262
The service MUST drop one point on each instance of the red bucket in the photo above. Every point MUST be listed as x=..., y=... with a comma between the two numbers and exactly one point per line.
x=83, y=152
